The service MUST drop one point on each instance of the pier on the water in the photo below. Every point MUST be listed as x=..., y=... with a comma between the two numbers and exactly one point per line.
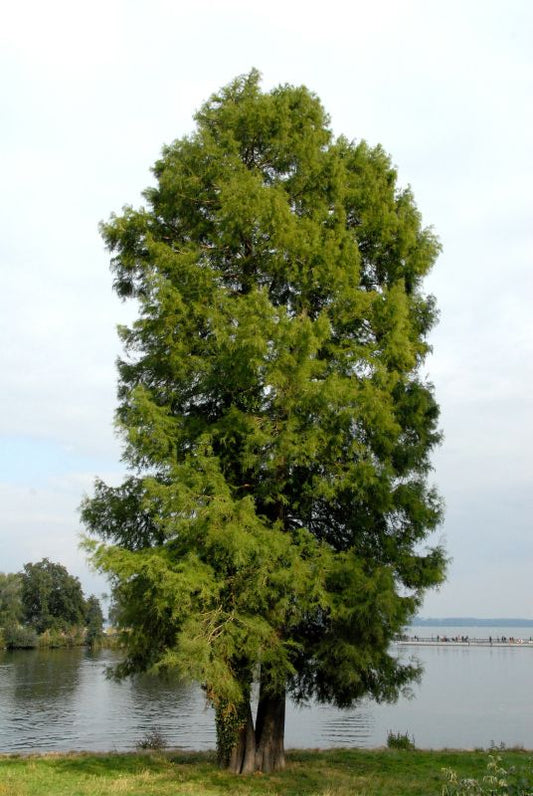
x=464, y=641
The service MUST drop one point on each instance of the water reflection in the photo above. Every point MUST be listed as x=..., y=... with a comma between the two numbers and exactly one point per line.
x=38, y=697
x=62, y=700
x=44, y=675
x=178, y=709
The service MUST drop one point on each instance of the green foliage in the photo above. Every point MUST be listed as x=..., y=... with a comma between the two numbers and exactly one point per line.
x=94, y=621
x=51, y=598
x=400, y=740
x=500, y=778
x=10, y=599
x=272, y=408
x=20, y=637
x=55, y=638
x=44, y=606
x=12, y=634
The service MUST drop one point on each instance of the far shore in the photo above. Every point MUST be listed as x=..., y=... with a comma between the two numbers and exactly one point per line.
x=453, y=642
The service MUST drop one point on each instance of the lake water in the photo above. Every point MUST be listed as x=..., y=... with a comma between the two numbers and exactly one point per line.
x=59, y=700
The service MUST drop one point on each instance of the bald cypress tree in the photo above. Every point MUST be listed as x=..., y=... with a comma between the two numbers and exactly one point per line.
x=274, y=416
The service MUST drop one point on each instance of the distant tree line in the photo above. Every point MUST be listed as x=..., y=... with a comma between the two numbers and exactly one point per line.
x=43, y=605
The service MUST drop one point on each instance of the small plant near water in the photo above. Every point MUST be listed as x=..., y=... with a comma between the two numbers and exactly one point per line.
x=153, y=740
x=400, y=740
x=500, y=779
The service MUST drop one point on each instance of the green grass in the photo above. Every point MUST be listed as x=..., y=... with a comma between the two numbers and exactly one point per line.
x=327, y=773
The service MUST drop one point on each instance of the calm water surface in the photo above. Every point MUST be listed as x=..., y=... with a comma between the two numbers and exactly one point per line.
x=57, y=700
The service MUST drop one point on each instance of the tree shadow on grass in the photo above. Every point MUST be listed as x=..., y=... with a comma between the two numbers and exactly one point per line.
x=113, y=764
x=174, y=771
x=200, y=773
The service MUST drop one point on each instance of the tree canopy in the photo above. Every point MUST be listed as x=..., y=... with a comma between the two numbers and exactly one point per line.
x=51, y=598
x=275, y=419
x=94, y=621
x=44, y=606
x=10, y=599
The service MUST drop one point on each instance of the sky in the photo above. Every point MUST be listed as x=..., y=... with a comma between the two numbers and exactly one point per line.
x=89, y=94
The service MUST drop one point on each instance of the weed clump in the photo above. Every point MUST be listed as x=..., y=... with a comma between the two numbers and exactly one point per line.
x=400, y=740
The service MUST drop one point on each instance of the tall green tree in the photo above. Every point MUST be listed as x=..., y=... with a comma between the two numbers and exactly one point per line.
x=275, y=420
x=51, y=598
x=94, y=621
x=10, y=600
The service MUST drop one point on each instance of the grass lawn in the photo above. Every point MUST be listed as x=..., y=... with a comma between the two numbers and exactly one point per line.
x=326, y=773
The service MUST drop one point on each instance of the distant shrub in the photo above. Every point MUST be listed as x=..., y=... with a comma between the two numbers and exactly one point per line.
x=19, y=637
x=400, y=740
x=55, y=638
x=153, y=740
x=111, y=639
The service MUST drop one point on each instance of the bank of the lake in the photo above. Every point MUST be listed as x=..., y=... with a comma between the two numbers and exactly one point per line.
x=340, y=772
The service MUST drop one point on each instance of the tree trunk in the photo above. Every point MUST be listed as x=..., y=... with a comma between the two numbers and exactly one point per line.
x=242, y=759
x=270, y=730
x=243, y=750
x=236, y=740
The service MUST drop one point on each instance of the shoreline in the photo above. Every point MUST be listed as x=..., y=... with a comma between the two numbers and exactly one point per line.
x=384, y=771
x=471, y=643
